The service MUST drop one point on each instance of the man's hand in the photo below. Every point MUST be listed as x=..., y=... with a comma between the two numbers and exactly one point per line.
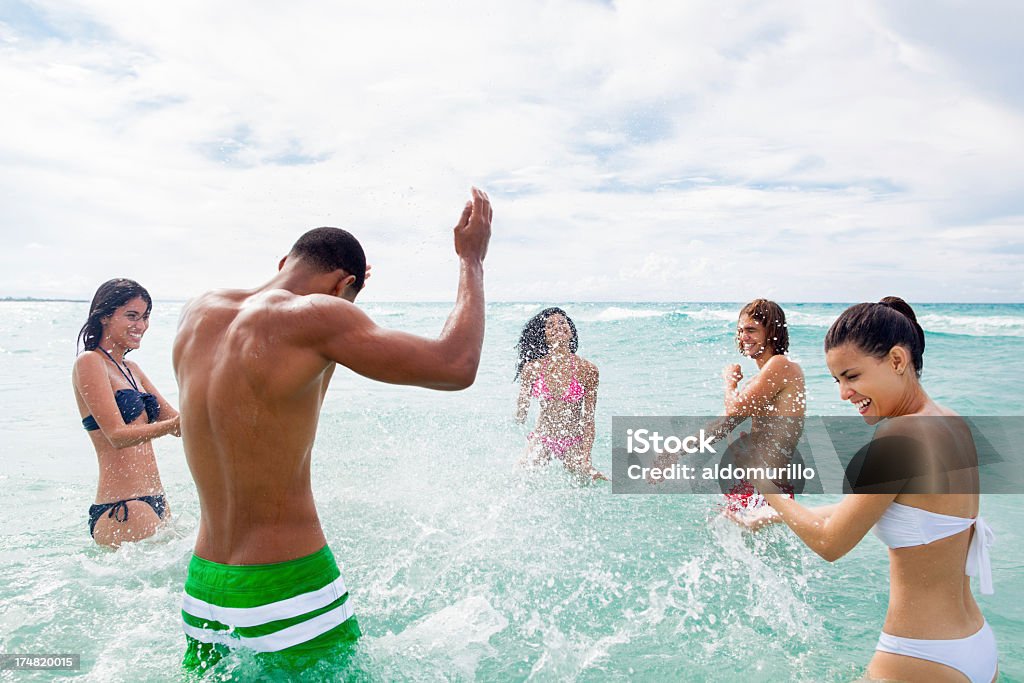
x=732, y=374
x=473, y=231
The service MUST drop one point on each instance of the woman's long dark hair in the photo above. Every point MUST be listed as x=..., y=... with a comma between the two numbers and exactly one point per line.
x=533, y=342
x=876, y=328
x=111, y=295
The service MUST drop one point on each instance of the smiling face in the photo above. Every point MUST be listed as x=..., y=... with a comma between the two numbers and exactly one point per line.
x=126, y=325
x=752, y=337
x=874, y=386
x=557, y=330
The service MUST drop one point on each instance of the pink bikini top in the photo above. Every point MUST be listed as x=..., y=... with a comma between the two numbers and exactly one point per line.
x=573, y=393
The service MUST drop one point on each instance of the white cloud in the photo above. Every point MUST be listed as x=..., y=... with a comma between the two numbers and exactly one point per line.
x=808, y=151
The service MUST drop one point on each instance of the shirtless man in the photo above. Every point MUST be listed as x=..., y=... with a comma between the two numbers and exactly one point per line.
x=774, y=399
x=253, y=367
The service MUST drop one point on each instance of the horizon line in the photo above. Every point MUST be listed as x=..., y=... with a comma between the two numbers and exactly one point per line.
x=27, y=299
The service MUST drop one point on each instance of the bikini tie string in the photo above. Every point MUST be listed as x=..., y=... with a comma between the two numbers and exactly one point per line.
x=119, y=512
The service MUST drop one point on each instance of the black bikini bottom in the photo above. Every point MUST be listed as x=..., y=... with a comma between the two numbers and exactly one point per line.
x=119, y=509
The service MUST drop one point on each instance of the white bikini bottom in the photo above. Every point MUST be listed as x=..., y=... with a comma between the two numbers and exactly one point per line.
x=974, y=656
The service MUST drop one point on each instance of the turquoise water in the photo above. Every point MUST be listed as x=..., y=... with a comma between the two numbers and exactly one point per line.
x=462, y=566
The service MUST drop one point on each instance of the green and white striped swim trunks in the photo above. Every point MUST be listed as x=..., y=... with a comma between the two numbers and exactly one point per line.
x=300, y=607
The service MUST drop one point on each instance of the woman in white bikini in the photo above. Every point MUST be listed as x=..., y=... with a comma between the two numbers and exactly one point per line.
x=933, y=630
x=566, y=385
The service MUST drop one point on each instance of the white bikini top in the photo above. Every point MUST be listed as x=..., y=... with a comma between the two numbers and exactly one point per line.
x=902, y=526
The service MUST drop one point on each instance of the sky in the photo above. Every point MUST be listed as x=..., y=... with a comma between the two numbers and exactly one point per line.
x=633, y=151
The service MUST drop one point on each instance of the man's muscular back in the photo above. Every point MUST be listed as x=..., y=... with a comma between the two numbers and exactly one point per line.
x=253, y=392
x=253, y=367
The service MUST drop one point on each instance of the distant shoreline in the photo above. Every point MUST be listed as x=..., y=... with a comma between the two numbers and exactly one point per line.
x=33, y=299
x=26, y=299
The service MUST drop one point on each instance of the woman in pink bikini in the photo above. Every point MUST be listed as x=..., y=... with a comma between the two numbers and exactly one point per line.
x=933, y=630
x=566, y=385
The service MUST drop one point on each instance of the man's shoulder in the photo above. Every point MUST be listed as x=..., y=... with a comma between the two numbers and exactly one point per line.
x=302, y=318
x=317, y=309
x=784, y=366
x=213, y=300
x=308, y=316
x=260, y=302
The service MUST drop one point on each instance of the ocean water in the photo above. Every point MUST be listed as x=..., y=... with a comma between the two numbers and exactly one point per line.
x=462, y=566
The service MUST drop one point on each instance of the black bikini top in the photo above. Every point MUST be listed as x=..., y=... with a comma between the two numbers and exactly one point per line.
x=131, y=402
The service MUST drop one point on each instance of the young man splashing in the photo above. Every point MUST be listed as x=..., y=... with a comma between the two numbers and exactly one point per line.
x=253, y=367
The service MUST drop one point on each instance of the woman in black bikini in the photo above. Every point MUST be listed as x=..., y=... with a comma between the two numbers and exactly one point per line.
x=123, y=412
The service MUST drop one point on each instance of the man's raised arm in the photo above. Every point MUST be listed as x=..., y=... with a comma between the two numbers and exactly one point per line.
x=449, y=362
